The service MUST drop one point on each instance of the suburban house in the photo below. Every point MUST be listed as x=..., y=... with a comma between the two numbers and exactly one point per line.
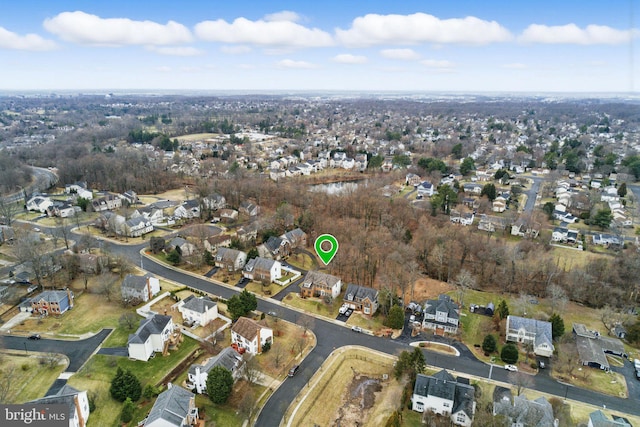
x=39, y=203
x=249, y=208
x=136, y=227
x=250, y=335
x=520, y=411
x=472, y=188
x=189, y=209
x=607, y=240
x=141, y=288
x=412, y=179
x=152, y=214
x=79, y=189
x=198, y=311
x=214, y=202
x=296, y=238
x=247, y=233
x=532, y=331
x=230, y=259
x=49, y=302
x=262, y=269
x=499, y=204
x=106, y=203
x=174, y=407
x=593, y=348
x=227, y=358
x=275, y=247
x=443, y=394
x=186, y=248
x=318, y=284
x=130, y=197
x=214, y=242
x=362, y=298
x=152, y=336
x=228, y=215
x=599, y=419
x=441, y=315
x=76, y=401
x=426, y=189
x=465, y=218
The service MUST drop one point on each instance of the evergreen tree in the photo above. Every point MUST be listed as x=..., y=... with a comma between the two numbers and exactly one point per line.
x=489, y=344
x=125, y=385
x=509, y=353
x=503, y=310
x=557, y=326
x=219, y=384
x=395, y=319
x=622, y=189
x=489, y=190
x=127, y=410
x=174, y=257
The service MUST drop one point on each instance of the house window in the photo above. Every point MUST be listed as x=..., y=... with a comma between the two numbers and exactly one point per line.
x=446, y=404
x=367, y=310
x=419, y=406
x=461, y=418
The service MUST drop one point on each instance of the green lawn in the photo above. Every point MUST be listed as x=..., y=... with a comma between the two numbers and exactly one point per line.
x=314, y=305
x=31, y=380
x=303, y=261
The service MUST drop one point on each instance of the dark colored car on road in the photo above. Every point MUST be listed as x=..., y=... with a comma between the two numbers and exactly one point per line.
x=294, y=370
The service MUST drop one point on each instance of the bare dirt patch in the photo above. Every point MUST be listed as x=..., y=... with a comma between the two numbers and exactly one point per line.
x=361, y=396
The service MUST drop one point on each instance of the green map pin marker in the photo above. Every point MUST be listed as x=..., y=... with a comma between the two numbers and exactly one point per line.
x=326, y=256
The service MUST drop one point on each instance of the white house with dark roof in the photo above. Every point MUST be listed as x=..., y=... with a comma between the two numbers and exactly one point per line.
x=230, y=259
x=174, y=407
x=532, y=331
x=136, y=227
x=227, y=358
x=426, y=189
x=441, y=315
x=142, y=288
x=599, y=419
x=362, y=298
x=250, y=335
x=76, y=401
x=199, y=311
x=445, y=395
x=151, y=336
x=296, y=238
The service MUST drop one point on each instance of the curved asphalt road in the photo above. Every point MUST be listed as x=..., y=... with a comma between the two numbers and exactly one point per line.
x=331, y=336
x=77, y=351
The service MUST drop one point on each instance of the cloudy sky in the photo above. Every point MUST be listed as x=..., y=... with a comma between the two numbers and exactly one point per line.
x=409, y=45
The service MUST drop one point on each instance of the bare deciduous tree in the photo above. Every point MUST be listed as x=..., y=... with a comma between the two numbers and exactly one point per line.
x=8, y=379
x=277, y=354
x=306, y=323
x=557, y=297
x=251, y=368
x=520, y=381
x=128, y=320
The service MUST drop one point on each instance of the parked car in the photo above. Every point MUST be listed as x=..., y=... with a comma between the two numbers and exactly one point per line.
x=412, y=318
x=34, y=337
x=512, y=368
x=272, y=314
x=356, y=329
x=294, y=370
x=343, y=309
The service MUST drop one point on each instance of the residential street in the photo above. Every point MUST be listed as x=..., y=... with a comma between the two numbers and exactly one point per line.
x=333, y=335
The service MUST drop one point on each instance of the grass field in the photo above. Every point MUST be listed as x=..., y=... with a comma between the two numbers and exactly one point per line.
x=313, y=305
x=329, y=386
x=29, y=378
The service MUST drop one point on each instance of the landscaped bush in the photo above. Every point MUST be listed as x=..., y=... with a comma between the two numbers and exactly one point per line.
x=509, y=353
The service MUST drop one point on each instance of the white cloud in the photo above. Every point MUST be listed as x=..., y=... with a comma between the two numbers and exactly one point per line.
x=290, y=63
x=84, y=28
x=402, y=54
x=285, y=15
x=347, y=58
x=515, y=66
x=11, y=40
x=572, y=34
x=163, y=69
x=438, y=63
x=373, y=29
x=262, y=33
x=235, y=50
x=176, y=50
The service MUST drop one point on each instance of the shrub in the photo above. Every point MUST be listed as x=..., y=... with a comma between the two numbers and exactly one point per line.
x=125, y=385
x=509, y=353
x=489, y=344
x=127, y=411
x=266, y=347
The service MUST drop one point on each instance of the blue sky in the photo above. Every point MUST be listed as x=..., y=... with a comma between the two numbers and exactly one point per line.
x=376, y=45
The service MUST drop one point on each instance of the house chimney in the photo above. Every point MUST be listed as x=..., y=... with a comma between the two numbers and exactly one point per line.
x=70, y=297
x=78, y=411
x=169, y=385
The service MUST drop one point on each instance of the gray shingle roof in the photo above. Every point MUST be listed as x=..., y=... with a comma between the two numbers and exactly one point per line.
x=64, y=396
x=138, y=283
x=359, y=293
x=172, y=406
x=445, y=386
x=199, y=305
x=227, y=358
x=540, y=328
x=151, y=325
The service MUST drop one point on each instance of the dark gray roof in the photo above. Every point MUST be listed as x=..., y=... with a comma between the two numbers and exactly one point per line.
x=227, y=358
x=227, y=255
x=534, y=413
x=135, y=282
x=199, y=305
x=64, y=396
x=443, y=305
x=172, y=406
x=154, y=324
x=273, y=243
x=359, y=293
x=319, y=278
x=441, y=384
x=259, y=263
